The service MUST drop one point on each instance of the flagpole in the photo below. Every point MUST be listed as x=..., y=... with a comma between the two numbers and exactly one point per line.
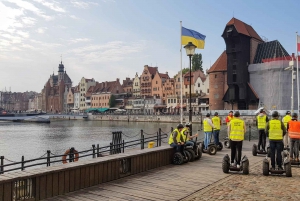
x=297, y=71
x=181, y=111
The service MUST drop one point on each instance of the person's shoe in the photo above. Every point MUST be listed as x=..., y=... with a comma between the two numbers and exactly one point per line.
x=232, y=164
x=272, y=168
x=291, y=159
x=205, y=150
x=238, y=166
x=280, y=168
x=297, y=159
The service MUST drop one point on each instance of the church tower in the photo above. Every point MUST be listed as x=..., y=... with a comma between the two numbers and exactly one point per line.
x=60, y=72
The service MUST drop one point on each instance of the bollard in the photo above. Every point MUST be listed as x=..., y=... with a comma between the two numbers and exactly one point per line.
x=143, y=142
x=159, y=137
x=142, y=138
x=71, y=155
x=98, y=150
x=48, y=158
x=156, y=140
x=123, y=145
x=110, y=148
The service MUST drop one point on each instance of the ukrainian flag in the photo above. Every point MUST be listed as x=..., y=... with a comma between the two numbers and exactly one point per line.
x=195, y=37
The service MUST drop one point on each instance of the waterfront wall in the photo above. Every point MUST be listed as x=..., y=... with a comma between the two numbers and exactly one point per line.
x=42, y=183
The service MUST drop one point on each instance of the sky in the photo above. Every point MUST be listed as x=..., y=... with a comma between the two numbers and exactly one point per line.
x=110, y=39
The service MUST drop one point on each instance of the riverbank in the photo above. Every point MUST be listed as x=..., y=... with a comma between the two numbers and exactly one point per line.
x=159, y=118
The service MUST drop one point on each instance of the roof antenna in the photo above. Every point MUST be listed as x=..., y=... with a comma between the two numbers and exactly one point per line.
x=233, y=14
x=61, y=58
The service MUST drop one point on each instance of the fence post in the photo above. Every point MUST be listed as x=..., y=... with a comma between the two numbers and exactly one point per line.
x=22, y=164
x=159, y=136
x=142, y=139
x=2, y=163
x=48, y=157
x=71, y=155
x=94, y=156
x=143, y=142
x=123, y=144
x=249, y=132
x=110, y=148
x=171, y=129
x=98, y=150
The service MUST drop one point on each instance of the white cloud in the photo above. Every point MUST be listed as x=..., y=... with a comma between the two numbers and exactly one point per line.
x=28, y=21
x=8, y=17
x=74, y=17
x=53, y=5
x=41, y=30
x=78, y=40
x=23, y=34
x=83, y=4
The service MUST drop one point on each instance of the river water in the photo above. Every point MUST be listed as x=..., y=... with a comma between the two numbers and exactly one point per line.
x=33, y=140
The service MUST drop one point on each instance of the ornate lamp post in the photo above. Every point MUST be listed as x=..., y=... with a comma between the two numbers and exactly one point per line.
x=190, y=51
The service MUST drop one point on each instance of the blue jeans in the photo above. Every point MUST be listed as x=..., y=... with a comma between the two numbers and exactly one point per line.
x=207, y=139
x=276, y=148
x=176, y=146
x=189, y=143
x=216, y=136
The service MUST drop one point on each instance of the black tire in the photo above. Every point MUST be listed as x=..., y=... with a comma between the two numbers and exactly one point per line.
x=246, y=167
x=265, y=168
x=288, y=169
x=220, y=146
x=198, y=152
x=178, y=158
x=192, y=153
x=254, y=150
x=212, y=150
x=225, y=165
x=188, y=156
x=227, y=144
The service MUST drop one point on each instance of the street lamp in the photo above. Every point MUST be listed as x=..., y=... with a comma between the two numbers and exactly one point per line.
x=190, y=51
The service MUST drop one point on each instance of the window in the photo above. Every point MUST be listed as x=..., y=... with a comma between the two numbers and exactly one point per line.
x=168, y=100
x=178, y=79
x=156, y=82
x=207, y=90
x=215, y=76
x=234, y=78
x=198, y=84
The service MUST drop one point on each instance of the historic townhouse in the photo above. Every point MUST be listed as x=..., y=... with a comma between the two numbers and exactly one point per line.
x=136, y=86
x=128, y=86
x=84, y=85
x=146, y=80
x=103, y=91
x=70, y=99
x=76, y=98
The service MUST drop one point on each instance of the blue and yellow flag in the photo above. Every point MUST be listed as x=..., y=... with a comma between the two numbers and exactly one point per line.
x=195, y=37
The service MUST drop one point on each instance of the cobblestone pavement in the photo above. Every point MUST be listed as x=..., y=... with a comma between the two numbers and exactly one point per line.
x=254, y=186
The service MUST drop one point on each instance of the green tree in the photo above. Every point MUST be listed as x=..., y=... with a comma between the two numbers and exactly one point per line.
x=197, y=62
x=112, y=101
x=185, y=70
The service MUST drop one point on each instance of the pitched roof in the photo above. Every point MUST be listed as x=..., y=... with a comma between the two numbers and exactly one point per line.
x=163, y=75
x=269, y=50
x=219, y=65
x=244, y=28
x=152, y=70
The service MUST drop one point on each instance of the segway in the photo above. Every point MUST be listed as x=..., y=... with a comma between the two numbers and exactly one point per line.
x=255, y=151
x=226, y=142
x=287, y=170
x=226, y=167
x=211, y=148
x=181, y=157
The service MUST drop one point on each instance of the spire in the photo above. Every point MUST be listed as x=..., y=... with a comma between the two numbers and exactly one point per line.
x=61, y=59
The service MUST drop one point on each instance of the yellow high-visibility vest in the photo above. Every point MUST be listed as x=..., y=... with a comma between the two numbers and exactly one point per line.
x=177, y=137
x=183, y=135
x=236, y=129
x=216, y=121
x=286, y=119
x=207, y=126
x=275, y=131
x=261, y=122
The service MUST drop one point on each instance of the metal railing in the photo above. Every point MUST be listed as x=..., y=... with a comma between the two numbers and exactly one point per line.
x=117, y=146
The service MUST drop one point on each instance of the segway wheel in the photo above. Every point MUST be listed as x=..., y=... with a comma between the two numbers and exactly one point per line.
x=188, y=156
x=265, y=167
x=246, y=167
x=254, y=150
x=198, y=152
x=225, y=165
x=227, y=144
x=178, y=158
x=212, y=150
x=220, y=146
x=192, y=153
x=288, y=169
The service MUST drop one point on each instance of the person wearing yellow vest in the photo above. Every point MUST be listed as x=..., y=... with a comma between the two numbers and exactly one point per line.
x=261, y=122
x=208, y=129
x=275, y=130
x=175, y=139
x=185, y=135
x=293, y=129
x=236, y=130
x=285, y=120
x=217, y=123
